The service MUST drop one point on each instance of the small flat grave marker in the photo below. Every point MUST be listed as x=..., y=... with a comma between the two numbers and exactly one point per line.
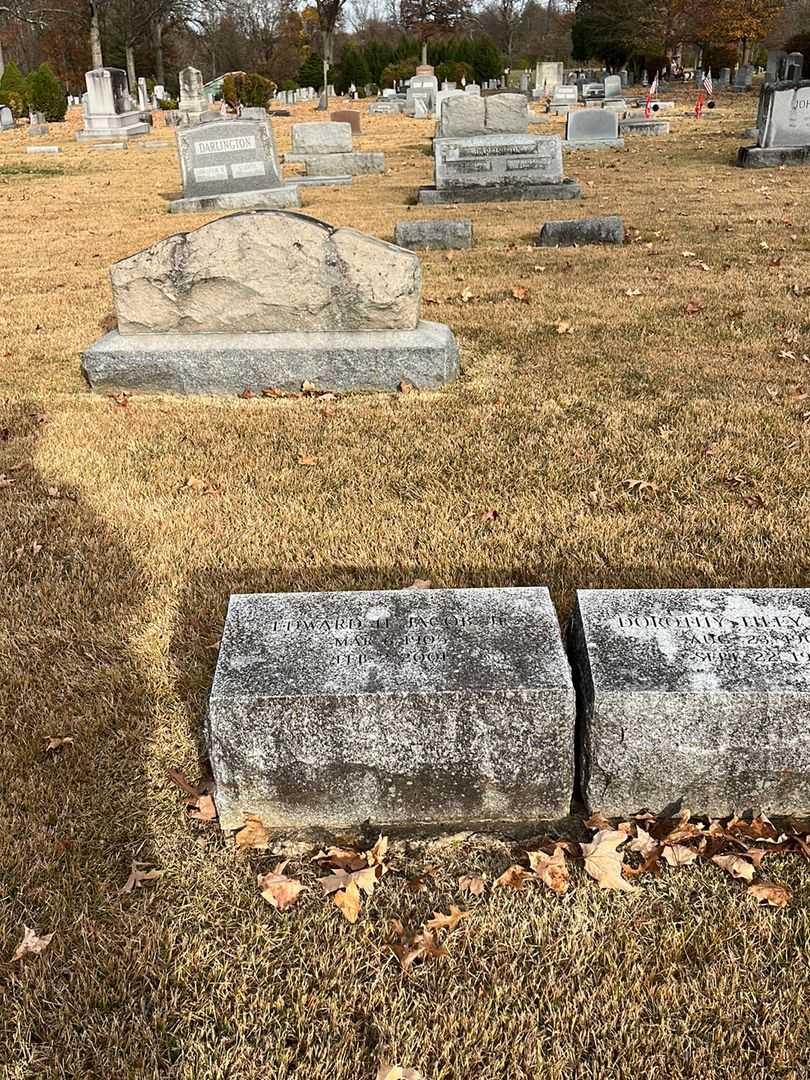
x=446, y=705
x=695, y=695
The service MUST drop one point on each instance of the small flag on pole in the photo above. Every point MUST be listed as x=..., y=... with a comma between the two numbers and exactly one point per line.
x=708, y=85
x=699, y=105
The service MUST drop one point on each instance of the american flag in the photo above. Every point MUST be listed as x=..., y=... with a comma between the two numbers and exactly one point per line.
x=708, y=85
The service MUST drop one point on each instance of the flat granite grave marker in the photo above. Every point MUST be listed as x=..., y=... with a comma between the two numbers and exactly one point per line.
x=437, y=234
x=439, y=706
x=269, y=299
x=694, y=695
x=592, y=129
x=230, y=165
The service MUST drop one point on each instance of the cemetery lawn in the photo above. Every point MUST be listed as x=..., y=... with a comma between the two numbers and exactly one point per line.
x=625, y=417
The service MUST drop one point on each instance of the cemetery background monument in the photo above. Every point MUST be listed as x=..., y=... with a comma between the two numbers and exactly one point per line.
x=483, y=152
x=109, y=111
x=266, y=299
x=783, y=127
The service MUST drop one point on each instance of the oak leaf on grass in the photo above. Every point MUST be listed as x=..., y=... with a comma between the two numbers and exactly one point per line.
x=770, y=894
x=348, y=902
x=512, y=878
x=55, y=743
x=253, y=834
x=736, y=866
x=604, y=862
x=140, y=874
x=678, y=855
x=280, y=891
x=472, y=883
x=397, y=1072
x=551, y=869
x=31, y=944
x=440, y=921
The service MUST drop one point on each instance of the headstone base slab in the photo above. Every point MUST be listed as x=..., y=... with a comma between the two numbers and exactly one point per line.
x=594, y=144
x=644, y=127
x=106, y=134
x=771, y=157
x=356, y=163
x=227, y=364
x=277, y=198
x=567, y=189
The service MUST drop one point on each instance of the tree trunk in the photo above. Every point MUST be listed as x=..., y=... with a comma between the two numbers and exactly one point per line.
x=160, y=68
x=2, y=59
x=325, y=99
x=95, y=37
x=131, y=76
x=424, y=53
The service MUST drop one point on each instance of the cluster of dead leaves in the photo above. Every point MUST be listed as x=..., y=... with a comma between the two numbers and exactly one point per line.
x=199, y=797
x=736, y=846
x=352, y=874
x=410, y=945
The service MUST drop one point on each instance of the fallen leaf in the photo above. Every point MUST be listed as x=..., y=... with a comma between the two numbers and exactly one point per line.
x=56, y=742
x=550, y=869
x=376, y=854
x=179, y=778
x=348, y=902
x=466, y=296
x=198, y=486
x=513, y=878
x=604, y=863
x=408, y=947
x=280, y=891
x=247, y=393
x=5, y=481
x=345, y=858
x=644, y=844
x=694, y=307
x=139, y=874
x=306, y=459
x=678, y=855
x=121, y=399
x=440, y=921
x=420, y=583
x=735, y=865
x=471, y=883
x=563, y=327
x=597, y=820
x=490, y=515
x=308, y=388
x=253, y=834
x=274, y=392
x=640, y=487
x=405, y=387
x=31, y=944
x=519, y=293
x=770, y=894
x=204, y=809
x=397, y=1072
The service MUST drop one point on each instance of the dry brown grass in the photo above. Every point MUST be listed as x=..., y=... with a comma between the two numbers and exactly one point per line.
x=106, y=630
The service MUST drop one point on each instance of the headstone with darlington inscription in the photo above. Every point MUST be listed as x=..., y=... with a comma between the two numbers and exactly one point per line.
x=230, y=164
x=445, y=706
x=697, y=696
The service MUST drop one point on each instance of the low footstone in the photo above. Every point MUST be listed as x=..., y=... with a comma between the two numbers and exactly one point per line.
x=357, y=163
x=694, y=695
x=438, y=706
x=43, y=149
x=439, y=235
x=595, y=230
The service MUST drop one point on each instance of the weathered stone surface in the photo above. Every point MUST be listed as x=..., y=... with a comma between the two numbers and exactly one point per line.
x=270, y=270
x=425, y=357
x=462, y=114
x=641, y=126
x=347, y=116
x=357, y=163
x=699, y=695
x=594, y=230
x=592, y=128
x=784, y=114
x=568, y=189
x=507, y=114
x=321, y=138
x=439, y=706
x=7, y=120
x=440, y=235
x=108, y=108
x=497, y=160
x=228, y=156
x=613, y=86
x=285, y=197
x=771, y=157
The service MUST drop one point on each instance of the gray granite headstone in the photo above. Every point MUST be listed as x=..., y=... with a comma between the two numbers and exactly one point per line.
x=497, y=160
x=6, y=118
x=229, y=156
x=434, y=233
x=576, y=231
x=694, y=695
x=438, y=706
x=613, y=86
x=592, y=127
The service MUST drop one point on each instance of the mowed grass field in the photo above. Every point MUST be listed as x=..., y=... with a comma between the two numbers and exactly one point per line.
x=683, y=365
